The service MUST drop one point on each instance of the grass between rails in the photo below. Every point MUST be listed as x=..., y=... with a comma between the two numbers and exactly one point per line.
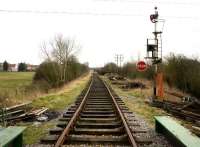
x=136, y=101
x=55, y=101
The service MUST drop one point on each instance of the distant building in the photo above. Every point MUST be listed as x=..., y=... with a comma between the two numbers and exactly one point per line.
x=1, y=66
x=31, y=67
x=12, y=67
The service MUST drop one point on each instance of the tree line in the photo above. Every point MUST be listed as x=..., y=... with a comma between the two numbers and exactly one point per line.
x=178, y=70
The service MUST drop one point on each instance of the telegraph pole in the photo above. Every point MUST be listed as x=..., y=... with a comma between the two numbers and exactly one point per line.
x=119, y=59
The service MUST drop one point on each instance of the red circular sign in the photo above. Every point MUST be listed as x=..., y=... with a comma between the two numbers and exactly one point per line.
x=141, y=66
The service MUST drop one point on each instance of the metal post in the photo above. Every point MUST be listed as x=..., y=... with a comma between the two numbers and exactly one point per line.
x=153, y=49
x=155, y=55
x=117, y=59
x=120, y=62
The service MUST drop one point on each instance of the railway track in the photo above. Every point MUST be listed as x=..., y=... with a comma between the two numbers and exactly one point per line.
x=98, y=117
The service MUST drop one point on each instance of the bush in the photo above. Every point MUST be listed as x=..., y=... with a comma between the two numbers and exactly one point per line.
x=49, y=72
x=184, y=73
x=108, y=68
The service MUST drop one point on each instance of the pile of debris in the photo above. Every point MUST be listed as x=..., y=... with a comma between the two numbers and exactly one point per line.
x=116, y=78
x=130, y=85
x=20, y=112
x=124, y=83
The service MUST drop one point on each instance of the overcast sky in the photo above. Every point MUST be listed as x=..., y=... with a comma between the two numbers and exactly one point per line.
x=102, y=27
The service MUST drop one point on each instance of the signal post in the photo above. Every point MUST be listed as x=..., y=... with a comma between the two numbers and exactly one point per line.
x=154, y=48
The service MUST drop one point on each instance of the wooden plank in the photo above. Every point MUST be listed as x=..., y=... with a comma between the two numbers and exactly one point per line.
x=17, y=106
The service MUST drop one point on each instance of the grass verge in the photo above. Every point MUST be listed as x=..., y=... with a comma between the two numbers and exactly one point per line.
x=64, y=97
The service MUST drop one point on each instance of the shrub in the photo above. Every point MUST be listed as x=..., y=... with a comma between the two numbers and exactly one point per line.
x=184, y=73
x=49, y=72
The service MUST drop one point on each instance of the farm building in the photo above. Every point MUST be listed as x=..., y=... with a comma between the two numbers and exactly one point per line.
x=12, y=67
x=31, y=67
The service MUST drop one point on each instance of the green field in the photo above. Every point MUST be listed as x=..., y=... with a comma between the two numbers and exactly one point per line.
x=12, y=80
x=12, y=86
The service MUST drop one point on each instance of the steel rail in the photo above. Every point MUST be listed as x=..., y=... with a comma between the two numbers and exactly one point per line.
x=70, y=125
x=128, y=131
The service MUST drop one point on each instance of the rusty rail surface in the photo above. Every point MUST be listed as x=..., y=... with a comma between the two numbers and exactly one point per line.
x=69, y=126
x=128, y=131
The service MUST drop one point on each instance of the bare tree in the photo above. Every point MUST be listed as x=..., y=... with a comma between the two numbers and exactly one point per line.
x=45, y=52
x=61, y=49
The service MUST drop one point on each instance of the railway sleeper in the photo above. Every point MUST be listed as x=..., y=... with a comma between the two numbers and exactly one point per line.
x=99, y=100
x=118, y=130
x=93, y=139
x=98, y=106
x=97, y=97
x=50, y=139
x=100, y=109
x=98, y=124
x=69, y=112
x=142, y=138
x=56, y=131
x=62, y=124
x=97, y=112
x=98, y=115
x=99, y=103
x=105, y=120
